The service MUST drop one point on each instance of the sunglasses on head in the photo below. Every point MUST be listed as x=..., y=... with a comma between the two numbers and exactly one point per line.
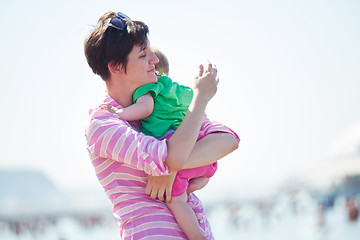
x=117, y=21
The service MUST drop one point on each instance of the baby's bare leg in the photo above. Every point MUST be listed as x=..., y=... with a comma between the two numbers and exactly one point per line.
x=185, y=217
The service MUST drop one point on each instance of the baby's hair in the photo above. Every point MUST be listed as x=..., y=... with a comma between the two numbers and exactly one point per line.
x=163, y=63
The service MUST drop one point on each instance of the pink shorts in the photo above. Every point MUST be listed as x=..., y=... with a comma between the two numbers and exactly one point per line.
x=182, y=178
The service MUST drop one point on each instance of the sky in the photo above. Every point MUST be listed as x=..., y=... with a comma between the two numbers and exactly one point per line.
x=289, y=81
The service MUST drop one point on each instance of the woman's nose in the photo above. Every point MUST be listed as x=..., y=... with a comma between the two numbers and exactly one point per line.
x=153, y=59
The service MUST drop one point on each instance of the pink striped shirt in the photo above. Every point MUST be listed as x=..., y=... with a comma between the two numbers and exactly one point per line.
x=123, y=157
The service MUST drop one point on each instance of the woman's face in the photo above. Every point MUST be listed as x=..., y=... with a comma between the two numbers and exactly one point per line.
x=140, y=68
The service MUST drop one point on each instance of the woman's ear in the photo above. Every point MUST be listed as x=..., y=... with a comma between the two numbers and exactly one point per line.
x=115, y=68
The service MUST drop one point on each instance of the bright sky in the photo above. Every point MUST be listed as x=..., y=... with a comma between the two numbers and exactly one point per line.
x=289, y=73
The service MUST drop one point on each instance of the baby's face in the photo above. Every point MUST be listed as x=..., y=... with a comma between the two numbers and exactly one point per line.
x=159, y=66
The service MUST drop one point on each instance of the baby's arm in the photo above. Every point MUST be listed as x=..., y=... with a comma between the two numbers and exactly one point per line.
x=142, y=108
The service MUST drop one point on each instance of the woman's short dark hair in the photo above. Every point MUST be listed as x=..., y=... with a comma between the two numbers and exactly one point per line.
x=106, y=44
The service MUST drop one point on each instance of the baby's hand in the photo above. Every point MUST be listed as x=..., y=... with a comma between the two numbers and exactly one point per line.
x=108, y=107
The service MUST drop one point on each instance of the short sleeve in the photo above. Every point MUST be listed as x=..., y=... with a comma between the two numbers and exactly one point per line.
x=154, y=88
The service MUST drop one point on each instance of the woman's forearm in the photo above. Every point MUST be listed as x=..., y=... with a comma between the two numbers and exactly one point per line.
x=182, y=142
x=211, y=148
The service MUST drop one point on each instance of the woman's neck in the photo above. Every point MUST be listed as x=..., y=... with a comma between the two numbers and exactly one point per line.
x=121, y=93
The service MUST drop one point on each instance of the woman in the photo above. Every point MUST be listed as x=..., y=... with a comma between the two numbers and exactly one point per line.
x=118, y=50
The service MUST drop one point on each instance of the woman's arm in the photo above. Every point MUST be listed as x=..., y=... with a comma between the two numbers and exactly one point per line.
x=206, y=151
x=181, y=143
x=111, y=137
x=211, y=148
x=141, y=109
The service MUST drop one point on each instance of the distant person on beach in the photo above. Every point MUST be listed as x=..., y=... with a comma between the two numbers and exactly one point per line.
x=160, y=107
x=352, y=209
x=136, y=170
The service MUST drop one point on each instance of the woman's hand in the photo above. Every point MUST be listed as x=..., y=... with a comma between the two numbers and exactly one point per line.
x=160, y=187
x=205, y=84
x=197, y=184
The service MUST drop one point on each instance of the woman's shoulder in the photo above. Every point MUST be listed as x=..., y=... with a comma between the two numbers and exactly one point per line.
x=102, y=117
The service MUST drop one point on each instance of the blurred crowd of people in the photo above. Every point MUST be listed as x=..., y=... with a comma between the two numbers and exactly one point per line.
x=292, y=212
x=297, y=211
x=36, y=226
